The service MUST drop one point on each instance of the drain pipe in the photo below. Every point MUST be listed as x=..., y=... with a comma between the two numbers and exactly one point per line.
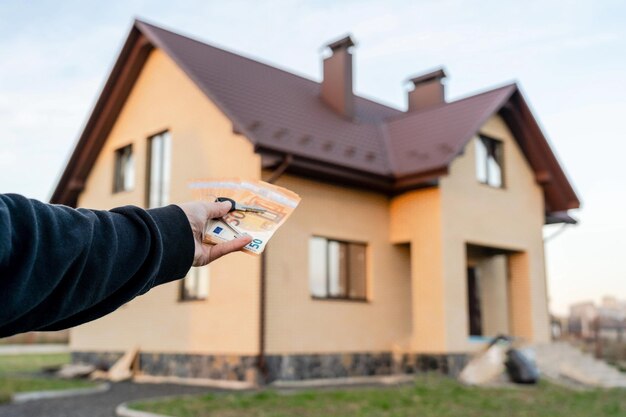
x=280, y=169
x=261, y=363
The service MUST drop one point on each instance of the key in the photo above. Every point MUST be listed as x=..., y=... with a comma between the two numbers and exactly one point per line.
x=240, y=207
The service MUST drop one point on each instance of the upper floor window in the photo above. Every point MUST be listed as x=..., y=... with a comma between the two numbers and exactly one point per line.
x=337, y=270
x=124, y=175
x=489, y=161
x=159, y=155
x=195, y=285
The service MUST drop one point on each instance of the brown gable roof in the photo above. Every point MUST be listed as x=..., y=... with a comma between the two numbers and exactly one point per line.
x=430, y=139
x=278, y=110
x=282, y=114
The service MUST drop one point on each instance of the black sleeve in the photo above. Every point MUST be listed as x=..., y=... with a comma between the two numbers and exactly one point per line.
x=60, y=267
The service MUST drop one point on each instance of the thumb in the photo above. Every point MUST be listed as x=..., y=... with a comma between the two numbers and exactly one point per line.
x=219, y=209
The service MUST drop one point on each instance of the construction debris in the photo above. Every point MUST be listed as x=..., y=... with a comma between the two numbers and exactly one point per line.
x=122, y=369
x=500, y=355
x=487, y=365
x=75, y=370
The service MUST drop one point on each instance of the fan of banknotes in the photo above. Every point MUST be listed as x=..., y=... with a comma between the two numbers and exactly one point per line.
x=275, y=203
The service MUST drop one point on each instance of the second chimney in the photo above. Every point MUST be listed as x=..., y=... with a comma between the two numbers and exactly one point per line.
x=337, y=82
x=428, y=90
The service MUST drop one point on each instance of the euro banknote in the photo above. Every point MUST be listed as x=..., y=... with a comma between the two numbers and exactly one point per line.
x=277, y=202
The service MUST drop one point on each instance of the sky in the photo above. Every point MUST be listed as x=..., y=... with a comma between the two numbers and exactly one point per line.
x=568, y=56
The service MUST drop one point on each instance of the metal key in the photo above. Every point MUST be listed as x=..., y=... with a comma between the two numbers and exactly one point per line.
x=240, y=207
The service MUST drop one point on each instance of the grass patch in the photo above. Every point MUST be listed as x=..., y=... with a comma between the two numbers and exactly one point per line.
x=18, y=374
x=430, y=396
x=12, y=364
x=24, y=384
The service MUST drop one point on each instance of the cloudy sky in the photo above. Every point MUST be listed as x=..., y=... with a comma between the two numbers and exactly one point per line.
x=570, y=58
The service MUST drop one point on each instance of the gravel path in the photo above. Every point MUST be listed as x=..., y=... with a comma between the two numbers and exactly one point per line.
x=97, y=405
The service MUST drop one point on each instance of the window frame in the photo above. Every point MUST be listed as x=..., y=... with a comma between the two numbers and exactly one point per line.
x=499, y=153
x=118, y=177
x=182, y=295
x=148, y=185
x=328, y=296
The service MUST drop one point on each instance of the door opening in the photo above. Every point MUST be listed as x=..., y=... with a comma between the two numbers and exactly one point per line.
x=473, y=302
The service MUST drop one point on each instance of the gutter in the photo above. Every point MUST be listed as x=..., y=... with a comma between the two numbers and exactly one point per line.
x=261, y=362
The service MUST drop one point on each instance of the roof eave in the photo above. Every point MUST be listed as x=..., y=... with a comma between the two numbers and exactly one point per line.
x=424, y=179
x=558, y=190
x=327, y=172
x=560, y=217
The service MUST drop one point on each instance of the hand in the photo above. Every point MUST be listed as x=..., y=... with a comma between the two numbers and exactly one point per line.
x=198, y=213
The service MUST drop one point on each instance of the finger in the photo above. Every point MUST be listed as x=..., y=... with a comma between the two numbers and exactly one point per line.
x=216, y=210
x=222, y=249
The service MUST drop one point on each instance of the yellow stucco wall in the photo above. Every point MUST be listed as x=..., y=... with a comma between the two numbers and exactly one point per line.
x=417, y=295
x=203, y=146
x=296, y=323
x=439, y=222
x=416, y=219
x=508, y=218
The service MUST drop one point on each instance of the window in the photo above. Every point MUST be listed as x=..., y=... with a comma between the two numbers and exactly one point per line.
x=195, y=286
x=124, y=176
x=159, y=153
x=337, y=270
x=489, y=161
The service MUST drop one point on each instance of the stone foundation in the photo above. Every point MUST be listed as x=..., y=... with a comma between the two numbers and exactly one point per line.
x=282, y=367
x=101, y=360
x=299, y=367
x=448, y=364
x=226, y=367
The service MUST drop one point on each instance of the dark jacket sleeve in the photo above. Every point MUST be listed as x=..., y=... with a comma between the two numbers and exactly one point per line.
x=60, y=267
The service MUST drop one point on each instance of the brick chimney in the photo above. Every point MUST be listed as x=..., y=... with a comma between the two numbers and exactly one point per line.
x=428, y=90
x=337, y=77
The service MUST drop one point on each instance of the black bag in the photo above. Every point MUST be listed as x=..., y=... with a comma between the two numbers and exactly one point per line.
x=520, y=368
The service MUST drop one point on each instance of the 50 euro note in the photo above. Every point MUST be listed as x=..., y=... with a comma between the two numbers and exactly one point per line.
x=278, y=203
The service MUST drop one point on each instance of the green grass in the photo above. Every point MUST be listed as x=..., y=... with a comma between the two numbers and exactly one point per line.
x=11, y=364
x=18, y=374
x=24, y=384
x=430, y=396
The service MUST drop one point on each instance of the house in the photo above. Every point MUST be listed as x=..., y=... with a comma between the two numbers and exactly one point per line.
x=604, y=321
x=419, y=233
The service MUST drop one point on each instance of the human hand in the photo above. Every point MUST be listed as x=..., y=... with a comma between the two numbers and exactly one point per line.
x=198, y=212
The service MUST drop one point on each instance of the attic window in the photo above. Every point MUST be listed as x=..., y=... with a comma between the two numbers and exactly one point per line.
x=124, y=177
x=489, y=161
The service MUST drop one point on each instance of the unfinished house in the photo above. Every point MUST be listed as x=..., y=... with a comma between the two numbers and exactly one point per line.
x=419, y=234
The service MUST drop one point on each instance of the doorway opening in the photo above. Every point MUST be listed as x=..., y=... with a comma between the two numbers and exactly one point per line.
x=488, y=291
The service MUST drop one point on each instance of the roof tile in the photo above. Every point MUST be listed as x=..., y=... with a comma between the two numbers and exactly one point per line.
x=282, y=112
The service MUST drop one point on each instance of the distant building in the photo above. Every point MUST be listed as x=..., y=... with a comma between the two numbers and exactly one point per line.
x=606, y=321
